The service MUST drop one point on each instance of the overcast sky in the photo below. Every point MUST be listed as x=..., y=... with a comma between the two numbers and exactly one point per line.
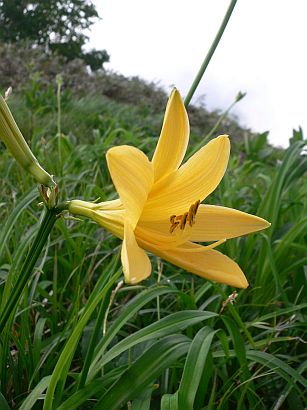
x=263, y=52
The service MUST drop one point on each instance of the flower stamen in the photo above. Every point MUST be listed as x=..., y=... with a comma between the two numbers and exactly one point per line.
x=182, y=220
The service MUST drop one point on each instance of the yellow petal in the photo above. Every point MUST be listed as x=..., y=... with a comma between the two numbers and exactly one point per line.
x=163, y=240
x=196, y=179
x=132, y=175
x=109, y=215
x=216, y=222
x=173, y=139
x=113, y=205
x=136, y=264
x=206, y=263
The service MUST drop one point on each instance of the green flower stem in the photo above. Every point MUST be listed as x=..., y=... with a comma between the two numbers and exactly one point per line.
x=210, y=53
x=27, y=268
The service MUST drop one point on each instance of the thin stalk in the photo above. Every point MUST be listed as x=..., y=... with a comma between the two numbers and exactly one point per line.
x=59, y=82
x=104, y=328
x=158, y=281
x=27, y=268
x=58, y=95
x=217, y=124
x=237, y=317
x=210, y=53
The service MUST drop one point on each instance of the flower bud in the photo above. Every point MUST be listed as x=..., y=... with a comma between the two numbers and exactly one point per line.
x=16, y=144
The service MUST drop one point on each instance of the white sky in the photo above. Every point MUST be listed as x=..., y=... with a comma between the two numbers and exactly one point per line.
x=263, y=52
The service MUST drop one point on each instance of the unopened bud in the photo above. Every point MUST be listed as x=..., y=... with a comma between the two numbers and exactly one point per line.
x=16, y=144
x=240, y=96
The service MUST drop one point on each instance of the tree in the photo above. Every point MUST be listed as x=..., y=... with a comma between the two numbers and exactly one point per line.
x=59, y=25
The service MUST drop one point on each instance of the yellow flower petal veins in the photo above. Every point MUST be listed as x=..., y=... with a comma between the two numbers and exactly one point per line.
x=174, y=138
x=215, y=222
x=132, y=175
x=194, y=180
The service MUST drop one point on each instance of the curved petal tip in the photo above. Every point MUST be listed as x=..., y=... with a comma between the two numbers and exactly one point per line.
x=135, y=261
x=242, y=282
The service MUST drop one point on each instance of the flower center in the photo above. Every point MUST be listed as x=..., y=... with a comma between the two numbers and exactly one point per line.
x=187, y=217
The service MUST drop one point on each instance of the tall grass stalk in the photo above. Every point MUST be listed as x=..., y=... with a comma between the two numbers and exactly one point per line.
x=59, y=82
x=210, y=53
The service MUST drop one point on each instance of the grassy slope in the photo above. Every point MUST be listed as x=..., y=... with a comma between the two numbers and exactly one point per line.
x=256, y=357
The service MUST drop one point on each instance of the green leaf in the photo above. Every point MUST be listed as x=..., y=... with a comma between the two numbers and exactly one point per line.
x=238, y=344
x=287, y=390
x=289, y=168
x=35, y=394
x=163, y=327
x=143, y=403
x=170, y=402
x=3, y=403
x=37, y=339
x=289, y=239
x=25, y=201
x=279, y=312
x=62, y=366
x=277, y=366
x=144, y=371
x=240, y=350
x=129, y=310
x=193, y=368
x=96, y=387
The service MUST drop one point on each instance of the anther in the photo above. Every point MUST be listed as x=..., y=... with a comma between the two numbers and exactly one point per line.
x=172, y=219
x=173, y=227
x=183, y=220
x=191, y=215
x=196, y=206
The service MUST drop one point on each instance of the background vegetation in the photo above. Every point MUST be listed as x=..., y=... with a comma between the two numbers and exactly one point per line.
x=77, y=341
x=60, y=27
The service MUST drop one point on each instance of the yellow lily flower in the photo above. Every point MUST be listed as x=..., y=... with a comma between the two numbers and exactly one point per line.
x=159, y=207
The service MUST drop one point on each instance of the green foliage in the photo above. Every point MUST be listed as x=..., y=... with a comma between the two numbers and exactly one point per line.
x=94, y=59
x=59, y=26
x=167, y=343
x=193, y=369
x=297, y=135
x=37, y=20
